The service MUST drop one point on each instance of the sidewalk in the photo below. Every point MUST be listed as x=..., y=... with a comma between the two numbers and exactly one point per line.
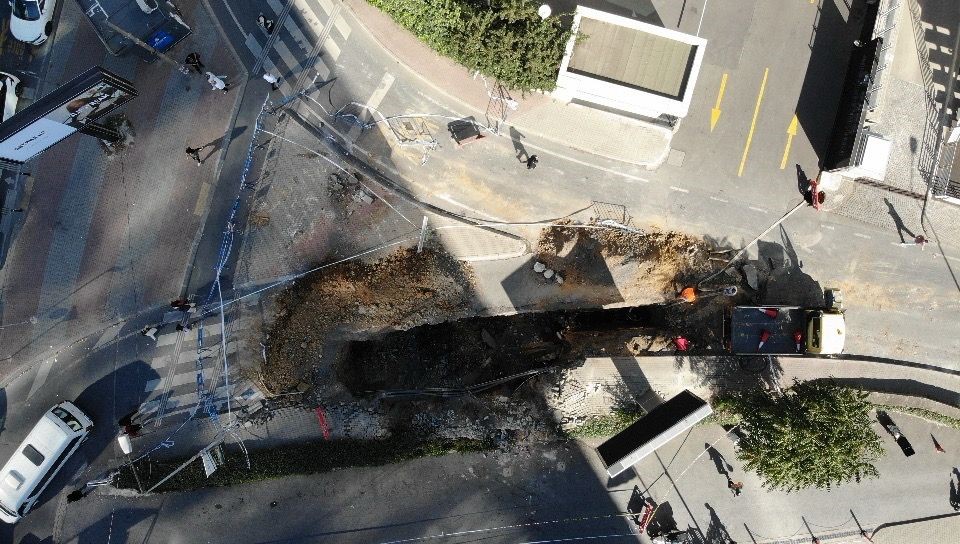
x=103, y=236
x=594, y=388
x=611, y=136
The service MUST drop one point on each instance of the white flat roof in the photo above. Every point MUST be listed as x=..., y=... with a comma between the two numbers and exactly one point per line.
x=629, y=65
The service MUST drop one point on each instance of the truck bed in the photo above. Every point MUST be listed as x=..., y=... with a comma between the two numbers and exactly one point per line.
x=748, y=322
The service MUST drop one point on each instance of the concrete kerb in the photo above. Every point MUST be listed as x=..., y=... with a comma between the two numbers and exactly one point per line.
x=475, y=110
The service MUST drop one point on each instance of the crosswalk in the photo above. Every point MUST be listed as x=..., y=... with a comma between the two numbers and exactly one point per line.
x=172, y=396
x=305, y=44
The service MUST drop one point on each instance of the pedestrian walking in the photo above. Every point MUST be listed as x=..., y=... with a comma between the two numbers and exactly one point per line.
x=193, y=61
x=265, y=24
x=194, y=153
x=217, y=82
x=532, y=161
x=129, y=419
x=272, y=80
x=735, y=487
x=921, y=241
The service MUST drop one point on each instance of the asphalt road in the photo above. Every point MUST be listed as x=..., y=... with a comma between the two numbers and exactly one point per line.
x=543, y=494
x=901, y=300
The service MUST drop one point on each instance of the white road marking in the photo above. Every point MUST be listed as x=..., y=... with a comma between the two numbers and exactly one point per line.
x=288, y=58
x=864, y=236
x=180, y=379
x=376, y=97
x=342, y=26
x=326, y=6
x=42, y=374
x=333, y=50
x=108, y=336
x=761, y=210
x=828, y=227
x=232, y=15
x=322, y=70
x=276, y=6
x=253, y=45
x=719, y=199
x=298, y=36
x=678, y=189
x=468, y=208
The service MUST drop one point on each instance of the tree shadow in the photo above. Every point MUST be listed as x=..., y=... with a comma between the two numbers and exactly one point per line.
x=725, y=374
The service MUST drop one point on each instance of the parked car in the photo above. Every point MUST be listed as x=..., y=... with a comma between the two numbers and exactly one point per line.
x=31, y=21
x=10, y=89
x=39, y=457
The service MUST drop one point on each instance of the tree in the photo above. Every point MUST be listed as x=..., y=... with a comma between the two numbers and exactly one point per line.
x=503, y=39
x=817, y=434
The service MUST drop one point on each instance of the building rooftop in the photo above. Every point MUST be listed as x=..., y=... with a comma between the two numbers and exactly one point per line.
x=633, y=57
x=624, y=65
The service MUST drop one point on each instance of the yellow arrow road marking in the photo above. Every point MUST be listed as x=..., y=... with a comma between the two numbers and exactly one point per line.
x=791, y=132
x=715, y=112
x=753, y=124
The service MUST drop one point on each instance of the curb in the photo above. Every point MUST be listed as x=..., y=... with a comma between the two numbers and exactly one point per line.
x=649, y=166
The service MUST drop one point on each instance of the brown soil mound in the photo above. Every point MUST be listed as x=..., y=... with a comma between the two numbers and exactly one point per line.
x=401, y=290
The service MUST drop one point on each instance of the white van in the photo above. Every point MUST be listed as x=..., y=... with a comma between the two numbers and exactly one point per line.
x=38, y=459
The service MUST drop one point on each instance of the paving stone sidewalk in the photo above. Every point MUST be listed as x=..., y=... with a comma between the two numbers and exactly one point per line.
x=612, y=136
x=104, y=236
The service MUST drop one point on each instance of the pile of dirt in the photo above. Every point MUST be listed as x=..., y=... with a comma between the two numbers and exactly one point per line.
x=661, y=261
x=402, y=290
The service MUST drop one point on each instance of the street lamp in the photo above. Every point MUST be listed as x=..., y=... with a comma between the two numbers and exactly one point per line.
x=544, y=11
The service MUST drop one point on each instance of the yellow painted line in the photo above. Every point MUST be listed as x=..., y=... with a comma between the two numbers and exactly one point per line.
x=753, y=124
x=791, y=132
x=715, y=112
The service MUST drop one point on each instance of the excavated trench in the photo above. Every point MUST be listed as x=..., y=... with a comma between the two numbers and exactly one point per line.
x=489, y=353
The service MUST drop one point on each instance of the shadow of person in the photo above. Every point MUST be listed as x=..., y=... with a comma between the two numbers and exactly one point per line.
x=716, y=531
x=901, y=228
x=518, y=147
x=954, y=494
x=803, y=184
x=723, y=467
x=213, y=146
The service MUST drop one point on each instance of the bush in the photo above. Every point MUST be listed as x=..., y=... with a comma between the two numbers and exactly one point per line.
x=603, y=426
x=505, y=40
x=307, y=458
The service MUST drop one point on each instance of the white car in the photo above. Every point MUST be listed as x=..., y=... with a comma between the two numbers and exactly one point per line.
x=10, y=89
x=31, y=20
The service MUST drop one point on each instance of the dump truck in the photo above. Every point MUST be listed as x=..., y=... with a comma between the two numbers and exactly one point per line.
x=781, y=330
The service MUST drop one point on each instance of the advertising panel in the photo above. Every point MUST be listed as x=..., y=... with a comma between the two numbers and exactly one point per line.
x=88, y=97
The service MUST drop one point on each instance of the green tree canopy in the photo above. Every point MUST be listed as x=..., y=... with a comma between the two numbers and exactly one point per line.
x=504, y=39
x=817, y=434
